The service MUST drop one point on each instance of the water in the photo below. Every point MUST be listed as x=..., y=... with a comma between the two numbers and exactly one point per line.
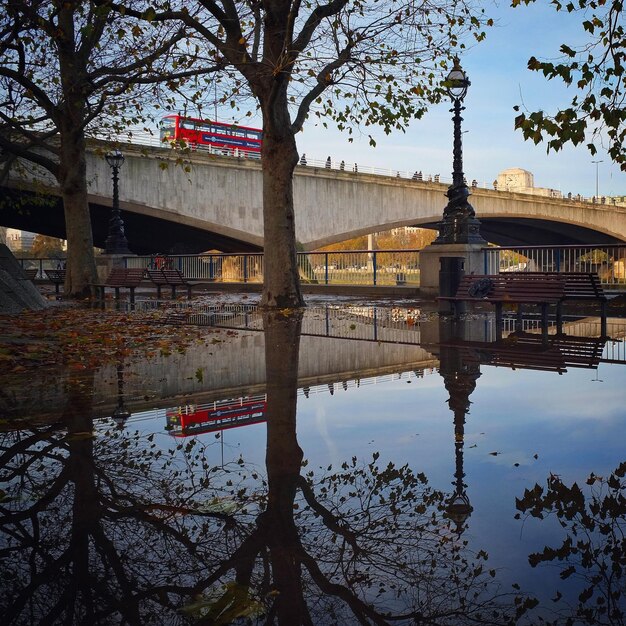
x=383, y=472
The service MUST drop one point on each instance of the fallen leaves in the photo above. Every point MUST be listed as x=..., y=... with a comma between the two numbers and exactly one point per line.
x=80, y=338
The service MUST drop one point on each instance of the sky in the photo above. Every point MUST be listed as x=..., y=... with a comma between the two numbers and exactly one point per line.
x=497, y=69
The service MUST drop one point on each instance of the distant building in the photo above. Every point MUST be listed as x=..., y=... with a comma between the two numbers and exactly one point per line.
x=522, y=181
x=405, y=229
x=22, y=240
x=19, y=240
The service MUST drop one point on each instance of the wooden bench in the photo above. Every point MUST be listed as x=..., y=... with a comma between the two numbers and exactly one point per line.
x=578, y=286
x=157, y=277
x=57, y=277
x=30, y=273
x=517, y=288
x=539, y=288
x=121, y=277
x=171, y=278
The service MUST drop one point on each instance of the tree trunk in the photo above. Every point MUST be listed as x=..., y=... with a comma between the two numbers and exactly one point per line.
x=81, y=265
x=281, y=285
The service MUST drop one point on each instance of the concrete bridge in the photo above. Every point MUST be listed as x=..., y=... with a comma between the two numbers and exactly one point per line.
x=190, y=204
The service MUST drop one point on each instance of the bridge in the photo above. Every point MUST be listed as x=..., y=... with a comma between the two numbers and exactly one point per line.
x=192, y=203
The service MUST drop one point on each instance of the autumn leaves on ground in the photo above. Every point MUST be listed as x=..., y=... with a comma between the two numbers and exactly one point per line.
x=81, y=338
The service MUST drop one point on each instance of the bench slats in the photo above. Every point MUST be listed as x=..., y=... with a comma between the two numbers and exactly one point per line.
x=511, y=288
x=57, y=277
x=578, y=285
x=538, y=288
x=30, y=273
x=533, y=351
x=171, y=278
x=121, y=277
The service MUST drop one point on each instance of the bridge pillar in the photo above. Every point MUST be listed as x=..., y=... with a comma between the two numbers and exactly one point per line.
x=430, y=263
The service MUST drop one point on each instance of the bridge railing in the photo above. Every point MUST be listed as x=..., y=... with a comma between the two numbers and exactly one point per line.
x=141, y=137
x=354, y=267
x=360, y=267
x=608, y=261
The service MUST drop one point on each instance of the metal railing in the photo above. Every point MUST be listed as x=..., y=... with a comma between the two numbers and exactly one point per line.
x=380, y=267
x=608, y=261
x=358, y=267
x=146, y=138
x=357, y=323
x=41, y=265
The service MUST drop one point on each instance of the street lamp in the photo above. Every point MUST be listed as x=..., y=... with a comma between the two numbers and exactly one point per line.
x=459, y=378
x=121, y=413
x=597, y=163
x=459, y=224
x=116, y=242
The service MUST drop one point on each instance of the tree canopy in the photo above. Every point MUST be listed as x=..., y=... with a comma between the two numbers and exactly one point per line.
x=354, y=62
x=68, y=68
x=596, y=114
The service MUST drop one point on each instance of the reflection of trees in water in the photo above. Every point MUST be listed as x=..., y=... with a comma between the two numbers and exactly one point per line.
x=105, y=529
x=115, y=528
x=94, y=526
x=593, y=549
x=362, y=543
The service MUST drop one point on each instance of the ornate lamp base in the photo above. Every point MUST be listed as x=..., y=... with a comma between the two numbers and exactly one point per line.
x=459, y=229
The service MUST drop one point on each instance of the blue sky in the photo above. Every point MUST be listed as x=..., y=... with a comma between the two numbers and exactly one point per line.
x=499, y=81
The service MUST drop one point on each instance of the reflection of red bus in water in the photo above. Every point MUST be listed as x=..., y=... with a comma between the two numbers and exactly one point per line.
x=218, y=137
x=193, y=419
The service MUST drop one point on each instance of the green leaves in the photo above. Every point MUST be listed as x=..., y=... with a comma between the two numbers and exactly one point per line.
x=592, y=550
x=596, y=68
x=221, y=608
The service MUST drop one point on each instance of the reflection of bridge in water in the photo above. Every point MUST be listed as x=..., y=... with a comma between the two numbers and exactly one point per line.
x=580, y=346
x=340, y=347
x=218, y=415
x=396, y=325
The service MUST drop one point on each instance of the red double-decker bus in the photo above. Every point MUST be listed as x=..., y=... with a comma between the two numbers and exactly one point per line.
x=193, y=419
x=218, y=137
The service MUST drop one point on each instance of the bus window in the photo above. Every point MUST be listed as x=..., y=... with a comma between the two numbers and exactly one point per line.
x=168, y=128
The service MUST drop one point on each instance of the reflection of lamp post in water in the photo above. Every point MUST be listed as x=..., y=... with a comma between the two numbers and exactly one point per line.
x=121, y=413
x=458, y=507
x=460, y=381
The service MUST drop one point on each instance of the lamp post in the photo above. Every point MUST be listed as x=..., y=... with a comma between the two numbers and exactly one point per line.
x=597, y=163
x=121, y=413
x=116, y=242
x=459, y=223
x=459, y=378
